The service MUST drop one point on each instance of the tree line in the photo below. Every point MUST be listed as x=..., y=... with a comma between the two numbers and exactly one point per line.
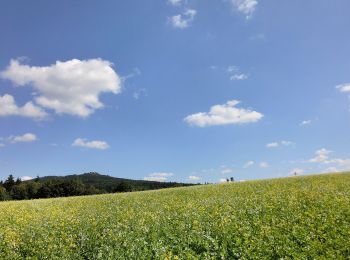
x=16, y=189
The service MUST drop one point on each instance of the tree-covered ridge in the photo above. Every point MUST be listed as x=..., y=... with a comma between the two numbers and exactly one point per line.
x=75, y=185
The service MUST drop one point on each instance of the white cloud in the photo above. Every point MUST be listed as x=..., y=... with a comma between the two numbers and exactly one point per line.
x=26, y=138
x=296, y=171
x=26, y=178
x=8, y=107
x=224, y=114
x=2, y=145
x=247, y=7
x=272, y=145
x=239, y=76
x=344, y=87
x=81, y=142
x=183, y=20
x=331, y=170
x=320, y=156
x=305, y=122
x=70, y=87
x=345, y=163
x=226, y=171
x=222, y=180
x=248, y=164
x=235, y=74
x=287, y=143
x=278, y=144
x=175, y=2
x=158, y=176
x=264, y=165
x=193, y=178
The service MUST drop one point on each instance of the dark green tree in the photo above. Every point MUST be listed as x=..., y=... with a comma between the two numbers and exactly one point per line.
x=3, y=194
x=9, y=183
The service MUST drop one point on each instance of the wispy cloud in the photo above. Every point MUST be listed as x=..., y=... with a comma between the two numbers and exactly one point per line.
x=247, y=7
x=278, y=144
x=138, y=93
x=184, y=19
x=305, y=122
x=264, y=165
x=95, y=144
x=248, y=164
x=194, y=178
x=235, y=73
x=158, y=176
x=175, y=2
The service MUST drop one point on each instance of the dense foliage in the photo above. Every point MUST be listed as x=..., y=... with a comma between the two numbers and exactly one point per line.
x=292, y=218
x=74, y=185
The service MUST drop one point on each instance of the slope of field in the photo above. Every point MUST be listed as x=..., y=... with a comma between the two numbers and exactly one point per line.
x=299, y=218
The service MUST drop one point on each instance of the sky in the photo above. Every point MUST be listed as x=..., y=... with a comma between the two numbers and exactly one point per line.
x=174, y=90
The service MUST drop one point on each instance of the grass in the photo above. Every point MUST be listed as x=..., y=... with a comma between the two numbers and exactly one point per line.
x=292, y=218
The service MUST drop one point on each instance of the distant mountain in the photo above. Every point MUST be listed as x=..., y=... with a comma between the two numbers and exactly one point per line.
x=106, y=183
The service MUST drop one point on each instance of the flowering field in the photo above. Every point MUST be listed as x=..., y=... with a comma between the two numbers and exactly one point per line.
x=299, y=218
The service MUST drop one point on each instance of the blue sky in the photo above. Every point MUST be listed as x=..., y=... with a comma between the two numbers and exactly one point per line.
x=181, y=90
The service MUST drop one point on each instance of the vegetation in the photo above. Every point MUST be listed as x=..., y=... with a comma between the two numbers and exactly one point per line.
x=75, y=185
x=291, y=218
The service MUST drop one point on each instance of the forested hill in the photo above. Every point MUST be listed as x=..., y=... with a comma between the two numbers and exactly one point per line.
x=75, y=185
x=107, y=183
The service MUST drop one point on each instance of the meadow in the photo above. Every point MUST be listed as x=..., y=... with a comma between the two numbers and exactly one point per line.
x=290, y=218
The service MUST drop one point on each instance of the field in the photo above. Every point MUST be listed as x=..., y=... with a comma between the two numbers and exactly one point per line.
x=291, y=218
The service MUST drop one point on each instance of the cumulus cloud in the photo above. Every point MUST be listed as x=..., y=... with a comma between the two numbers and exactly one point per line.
x=235, y=74
x=69, y=87
x=248, y=164
x=193, y=178
x=222, y=180
x=247, y=7
x=320, y=156
x=26, y=178
x=264, y=165
x=81, y=142
x=344, y=87
x=224, y=114
x=305, y=123
x=8, y=107
x=183, y=20
x=25, y=138
x=158, y=176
